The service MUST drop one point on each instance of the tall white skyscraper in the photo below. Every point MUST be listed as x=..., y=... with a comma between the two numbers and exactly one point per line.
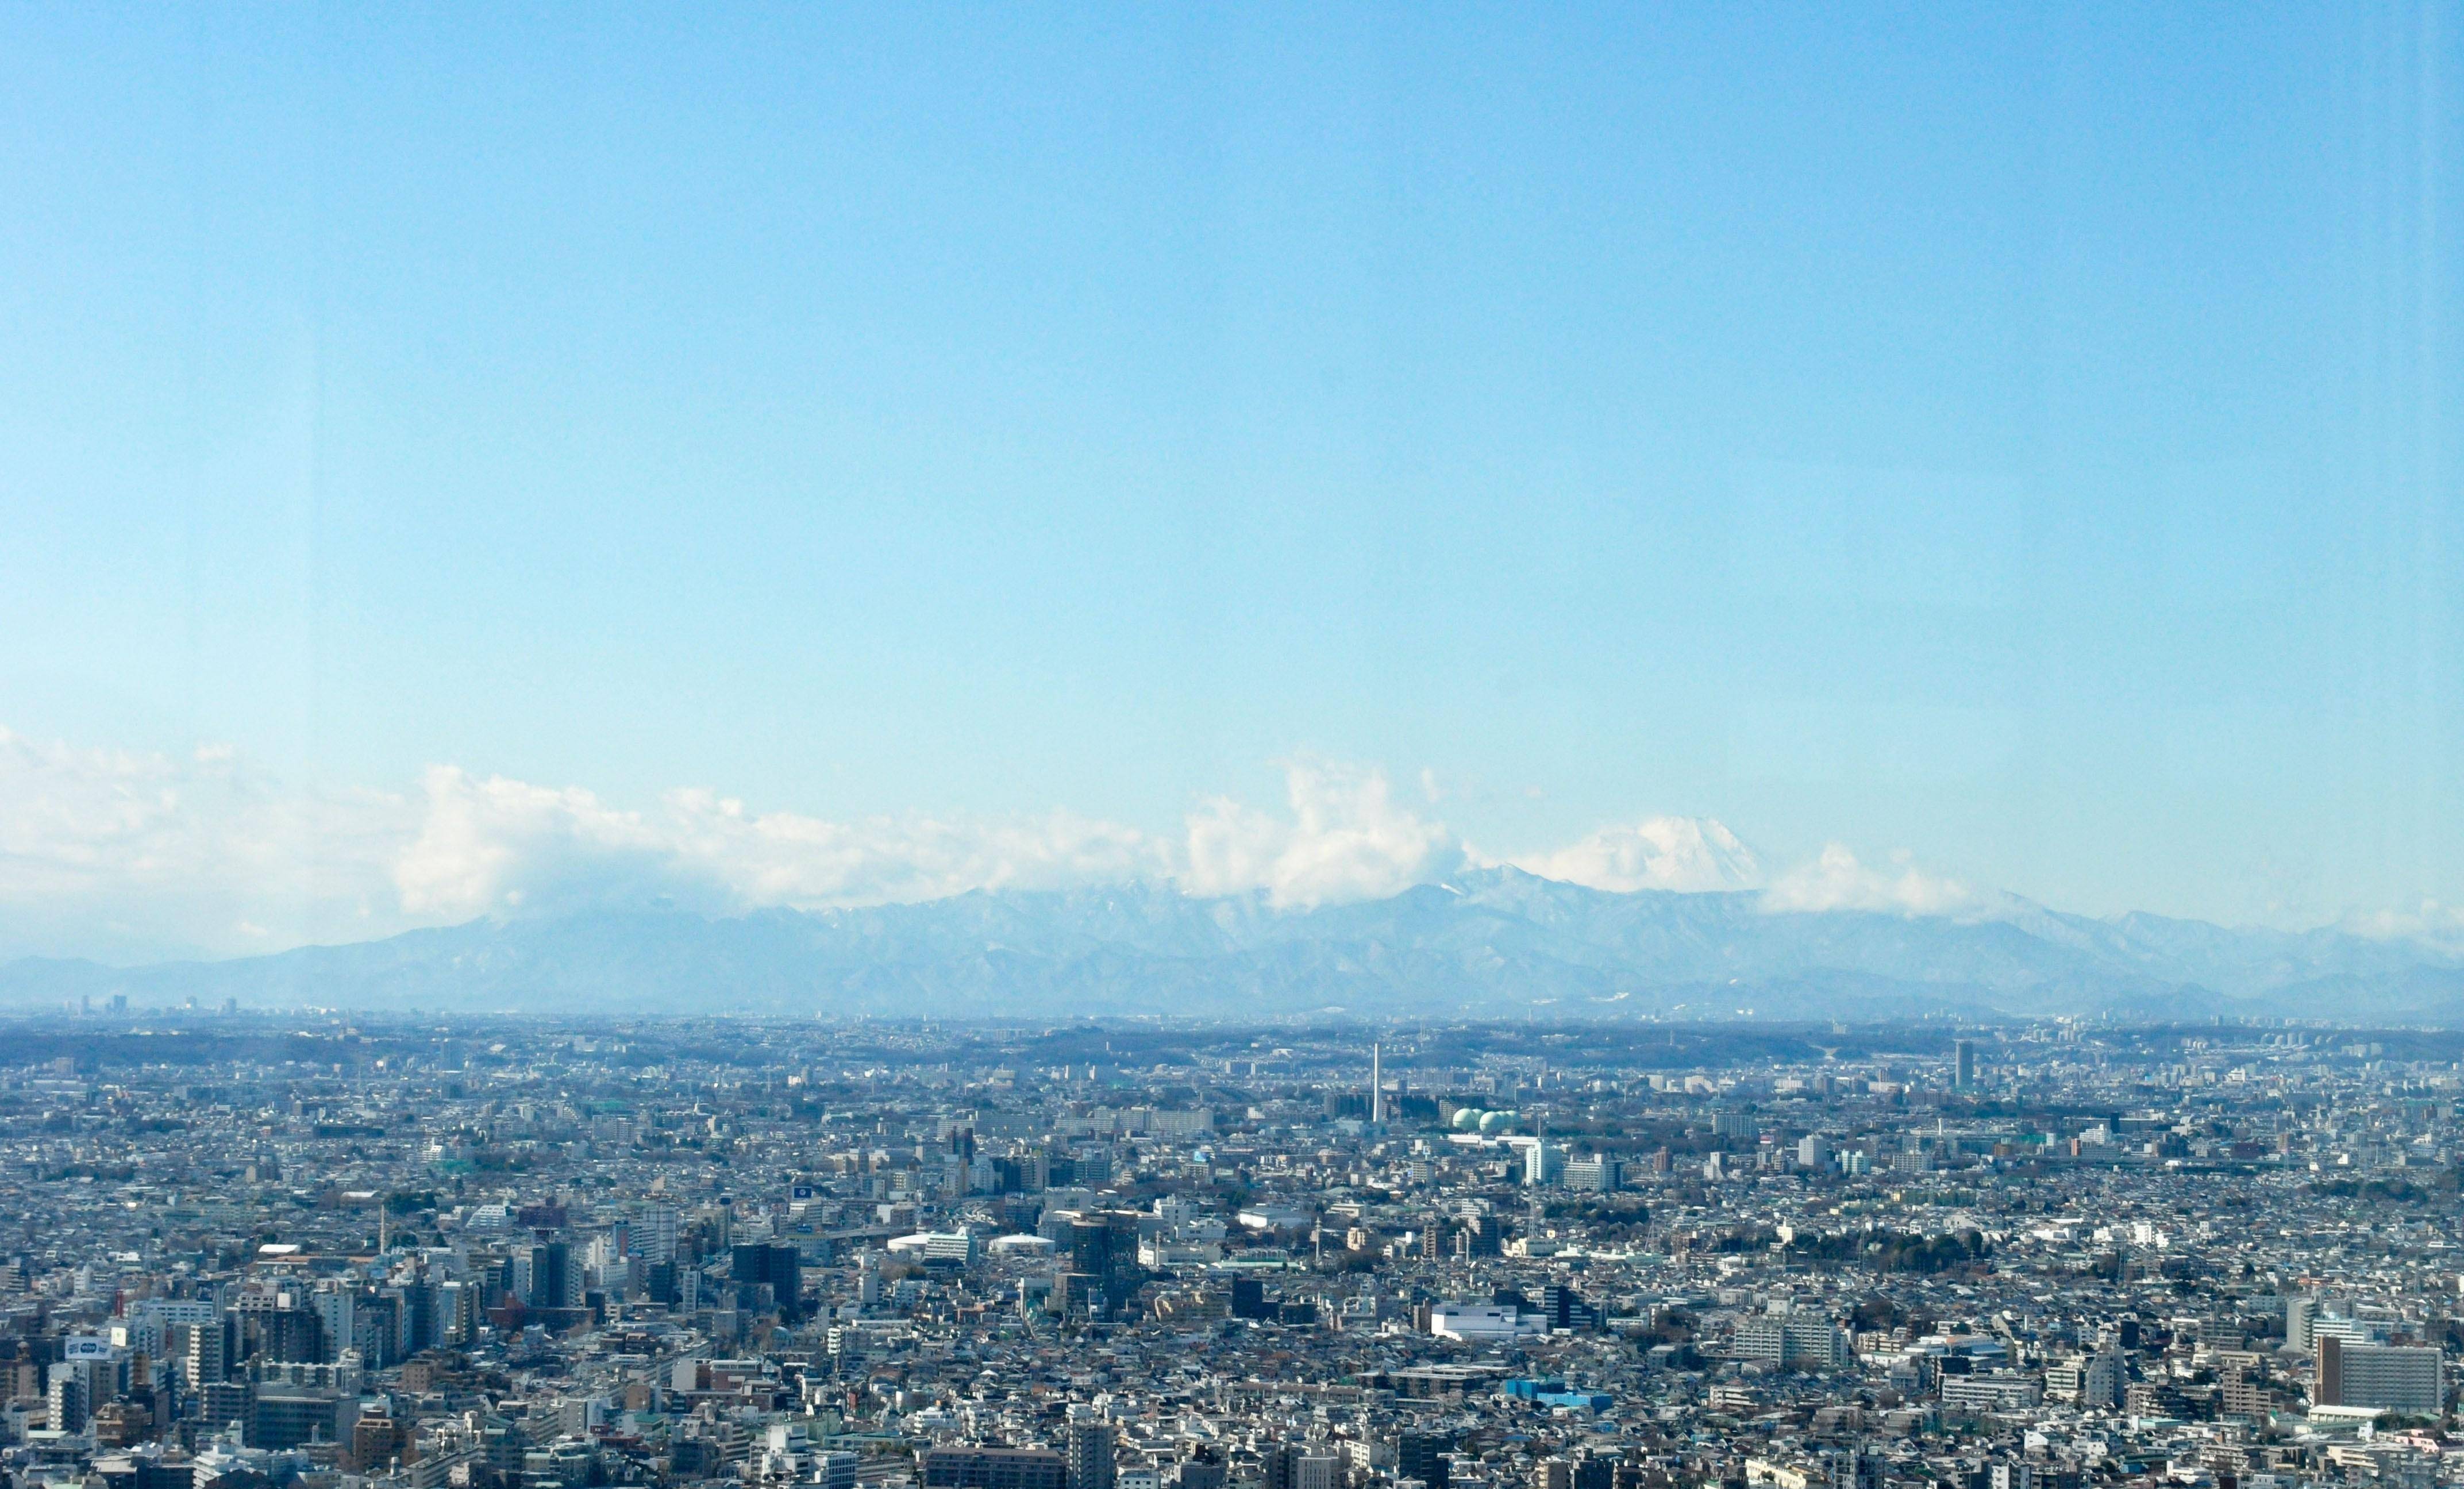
x=654, y=1235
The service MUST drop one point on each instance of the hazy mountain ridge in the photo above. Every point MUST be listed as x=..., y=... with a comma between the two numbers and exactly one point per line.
x=1499, y=942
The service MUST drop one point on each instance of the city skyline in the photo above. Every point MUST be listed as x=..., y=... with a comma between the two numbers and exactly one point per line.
x=1359, y=746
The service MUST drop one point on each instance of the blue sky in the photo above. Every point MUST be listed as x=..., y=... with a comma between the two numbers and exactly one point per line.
x=2021, y=440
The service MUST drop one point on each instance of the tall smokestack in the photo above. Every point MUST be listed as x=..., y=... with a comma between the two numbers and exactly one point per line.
x=1376, y=1082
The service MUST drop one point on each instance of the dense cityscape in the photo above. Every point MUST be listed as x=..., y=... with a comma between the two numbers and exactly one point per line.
x=1327, y=745
x=321, y=1251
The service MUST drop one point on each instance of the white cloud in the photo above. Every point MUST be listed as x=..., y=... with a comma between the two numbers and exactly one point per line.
x=1836, y=881
x=2430, y=922
x=781, y=858
x=1689, y=853
x=129, y=855
x=1346, y=839
x=495, y=846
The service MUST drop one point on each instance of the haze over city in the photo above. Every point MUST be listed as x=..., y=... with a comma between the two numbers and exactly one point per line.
x=1271, y=747
x=811, y=459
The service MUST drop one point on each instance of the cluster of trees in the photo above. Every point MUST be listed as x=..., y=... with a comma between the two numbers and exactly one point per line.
x=1895, y=1251
x=2418, y=1187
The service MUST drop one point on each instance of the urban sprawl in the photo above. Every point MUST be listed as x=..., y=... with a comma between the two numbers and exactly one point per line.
x=320, y=1251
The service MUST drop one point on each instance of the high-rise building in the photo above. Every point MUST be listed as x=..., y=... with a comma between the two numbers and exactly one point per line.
x=1569, y=1310
x=1249, y=1299
x=756, y=1264
x=1596, y=1175
x=1204, y=1472
x=222, y=1403
x=284, y=1333
x=375, y=1441
x=1859, y=1468
x=2383, y=1377
x=2352, y=1331
x=2298, y=1315
x=1422, y=1455
x=457, y=1311
x=2008, y=1474
x=1962, y=1064
x=2243, y=1395
x=838, y=1471
x=1090, y=1450
x=2090, y=1380
x=1794, y=1337
x=336, y=1309
x=1292, y=1464
x=1274, y=1464
x=377, y=1329
x=554, y=1277
x=1541, y=1163
x=204, y=1352
x=416, y=1304
x=1103, y=1249
x=71, y=1396
x=653, y=1234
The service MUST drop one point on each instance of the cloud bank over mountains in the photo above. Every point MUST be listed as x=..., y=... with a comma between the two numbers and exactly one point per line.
x=1693, y=854
x=125, y=854
x=133, y=855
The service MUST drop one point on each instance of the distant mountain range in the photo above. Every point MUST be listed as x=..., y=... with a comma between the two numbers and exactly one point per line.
x=1496, y=943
